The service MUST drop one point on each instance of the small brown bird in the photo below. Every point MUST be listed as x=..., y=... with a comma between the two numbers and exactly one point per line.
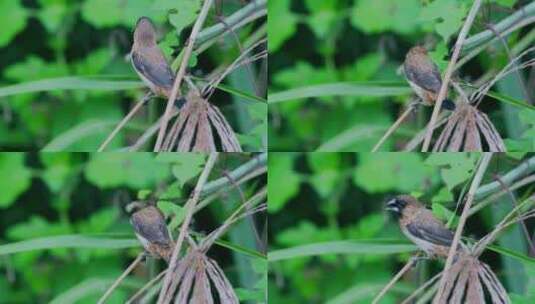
x=149, y=61
x=424, y=77
x=151, y=230
x=421, y=226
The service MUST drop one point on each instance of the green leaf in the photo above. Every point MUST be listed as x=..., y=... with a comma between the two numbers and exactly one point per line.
x=174, y=211
x=89, y=128
x=70, y=83
x=445, y=215
x=185, y=165
x=240, y=93
x=136, y=170
x=13, y=19
x=443, y=196
x=380, y=172
x=279, y=32
x=51, y=15
x=108, y=13
x=341, y=89
x=68, y=241
x=58, y=169
x=372, y=16
x=12, y=169
x=510, y=100
x=446, y=14
x=284, y=183
x=181, y=13
x=513, y=254
x=458, y=166
x=372, y=246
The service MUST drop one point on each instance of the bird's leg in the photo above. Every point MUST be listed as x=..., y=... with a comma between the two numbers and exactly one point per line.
x=413, y=105
x=147, y=97
x=417, y=258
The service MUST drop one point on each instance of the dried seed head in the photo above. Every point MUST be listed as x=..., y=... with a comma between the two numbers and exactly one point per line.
x=469, y=129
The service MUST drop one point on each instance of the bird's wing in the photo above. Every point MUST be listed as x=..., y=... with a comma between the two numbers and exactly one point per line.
x=155, y=68
x=152, y=229
x=433, y=232
x=428, y=78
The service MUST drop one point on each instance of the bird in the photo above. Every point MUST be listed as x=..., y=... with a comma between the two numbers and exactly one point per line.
x=424, y=77
x=150, y=63
x=421, y=227
x=150, y=229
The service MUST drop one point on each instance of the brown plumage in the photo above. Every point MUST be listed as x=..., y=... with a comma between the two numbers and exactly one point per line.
x=424, y=77
x=421, y=226
x=151, y=230
x=148, y=60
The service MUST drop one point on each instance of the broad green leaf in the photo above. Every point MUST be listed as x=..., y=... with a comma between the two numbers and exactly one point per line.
x=372, y=246
x=457, y=167
x=70, y=83
x=13, y=18
x=67, y=241
x=185, y=165
x=380, y=172
x=510, y=100
x=373, y=16
x=181, y=14
x=136, y=170
x=446, y=14
x=283, y=181
x=108, y=13
x=16, y=176
x=279, y=32
x=340, y=89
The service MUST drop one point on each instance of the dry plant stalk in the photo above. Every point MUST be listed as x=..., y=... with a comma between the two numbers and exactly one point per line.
x=470, y=281
x=449, y=72
x=197, y=277
x=469, y=129
x=193, y=129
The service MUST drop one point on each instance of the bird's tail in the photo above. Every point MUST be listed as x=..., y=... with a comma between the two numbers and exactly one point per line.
x=447, y=104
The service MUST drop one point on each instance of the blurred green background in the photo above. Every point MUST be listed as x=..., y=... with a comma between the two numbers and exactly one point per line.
x=364, y=42
x=66, y=81
x=77, y=202
x=326, y=197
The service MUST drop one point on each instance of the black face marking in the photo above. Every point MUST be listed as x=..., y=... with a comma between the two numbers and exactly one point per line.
x=396, y=206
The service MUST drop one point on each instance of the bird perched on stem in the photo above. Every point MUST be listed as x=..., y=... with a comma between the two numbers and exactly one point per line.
x=150, y=228
x=420, y=225
x=149, y=62
x=424, y=77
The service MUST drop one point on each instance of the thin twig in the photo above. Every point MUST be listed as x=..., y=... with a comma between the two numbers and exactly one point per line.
x=181, y=72
x=462, y=221
x=145, y=287
x=120, y=278
x=449, y=71
x=394, y=280
x=124, y=121
x=165, y=296
x=394, y=127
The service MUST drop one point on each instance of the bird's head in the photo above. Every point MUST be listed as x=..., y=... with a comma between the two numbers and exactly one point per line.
x=399, y=203
x=134, y=207
x=144, y=33
x=416, y=52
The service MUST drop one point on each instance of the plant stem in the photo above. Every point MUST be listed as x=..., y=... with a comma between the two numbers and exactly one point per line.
x=236, y=174
x=449, y=71
x=501, y=27
x=393, y=127
x=165, y=294
x=120, y=278
x=181, y=72
x=485, y=160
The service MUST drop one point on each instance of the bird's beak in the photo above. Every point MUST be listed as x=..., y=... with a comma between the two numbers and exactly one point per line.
x=393, y=206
